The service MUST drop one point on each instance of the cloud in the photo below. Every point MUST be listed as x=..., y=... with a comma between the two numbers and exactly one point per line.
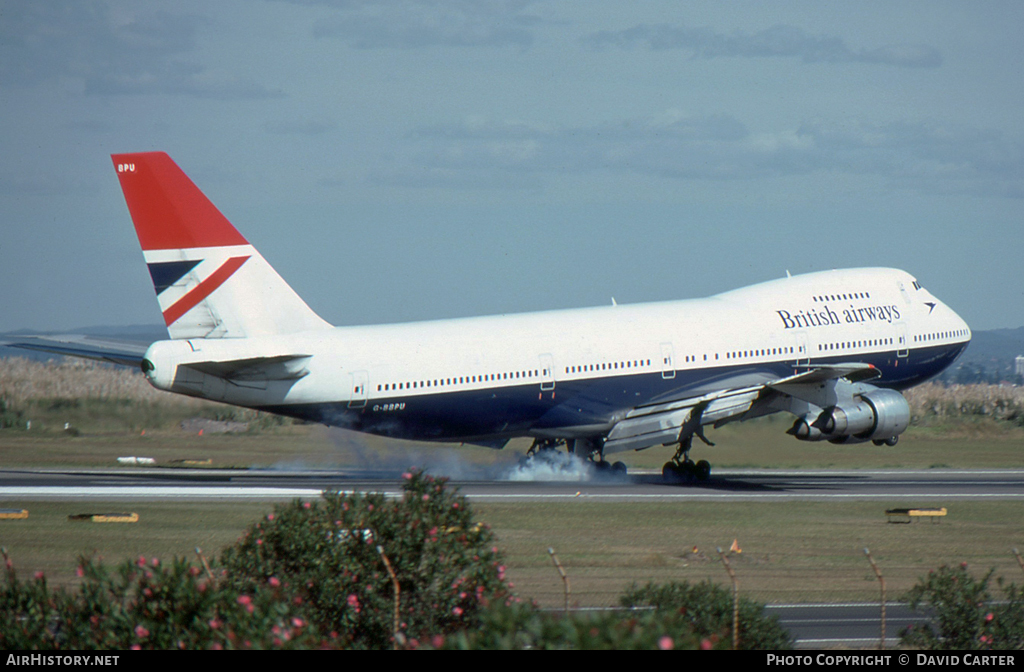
x=411, y=24
x=86, y=45
x=905, y=155
x=774, y=42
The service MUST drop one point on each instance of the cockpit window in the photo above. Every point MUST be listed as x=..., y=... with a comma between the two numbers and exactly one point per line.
x=917, y=285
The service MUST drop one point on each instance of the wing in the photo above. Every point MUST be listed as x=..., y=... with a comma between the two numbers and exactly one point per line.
x=126, y=353
x=663, y=423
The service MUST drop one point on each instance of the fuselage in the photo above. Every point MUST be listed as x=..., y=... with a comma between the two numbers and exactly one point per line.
x=575, y=373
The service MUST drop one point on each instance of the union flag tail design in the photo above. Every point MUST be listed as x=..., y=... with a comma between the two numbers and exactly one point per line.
x=210, y=282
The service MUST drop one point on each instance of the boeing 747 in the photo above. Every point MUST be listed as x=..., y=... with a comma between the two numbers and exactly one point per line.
x=834, y=349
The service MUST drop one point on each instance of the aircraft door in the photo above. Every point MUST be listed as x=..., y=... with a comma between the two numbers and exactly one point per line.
x=803, y=351
x=668, y=359
x=902, y=345
x=358, y=384
x=547, y=373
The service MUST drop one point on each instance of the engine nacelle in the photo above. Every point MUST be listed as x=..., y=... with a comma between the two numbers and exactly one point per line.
x=877, y=415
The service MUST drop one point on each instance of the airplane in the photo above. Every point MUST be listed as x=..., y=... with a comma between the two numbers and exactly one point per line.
x=834, y=349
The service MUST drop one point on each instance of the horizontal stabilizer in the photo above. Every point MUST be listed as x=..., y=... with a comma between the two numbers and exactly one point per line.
x=255, y=369
x=125, y=353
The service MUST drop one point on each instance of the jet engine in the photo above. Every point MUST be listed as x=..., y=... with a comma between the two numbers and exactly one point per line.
x=877, y=415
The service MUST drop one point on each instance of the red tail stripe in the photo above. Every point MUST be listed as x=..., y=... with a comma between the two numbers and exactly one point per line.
x=203, y=290
x=168, y=209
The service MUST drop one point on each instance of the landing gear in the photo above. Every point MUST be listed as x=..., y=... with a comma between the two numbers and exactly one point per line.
x=681, y=469
x=891, y=441
x=541, y=445
x=590, y=451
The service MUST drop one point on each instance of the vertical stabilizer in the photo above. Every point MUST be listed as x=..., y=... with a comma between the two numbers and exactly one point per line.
x=210, y=282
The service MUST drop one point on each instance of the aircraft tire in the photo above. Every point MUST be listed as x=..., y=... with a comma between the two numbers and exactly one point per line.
x=702, y=470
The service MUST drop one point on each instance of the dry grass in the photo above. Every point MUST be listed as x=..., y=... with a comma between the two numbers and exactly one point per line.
x=791, y=551
x=24, y=380
x=932, y=401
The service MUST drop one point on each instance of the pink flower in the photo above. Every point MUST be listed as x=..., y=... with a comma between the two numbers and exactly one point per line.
x=298, y=622
x=141, y=632
x=407, y=476
x=437, y=641
x=353, y=602
x=457, y=611
x=306, y=505
x=274, y=581
x=155, y=562
x=665, y=643
x=270, y=516
x=705, y=644
x=39, y=576
x=141, y=562
x=455, y=505
x=79, y=572
x=989, y=616
x=244, y=599
x=214, y=623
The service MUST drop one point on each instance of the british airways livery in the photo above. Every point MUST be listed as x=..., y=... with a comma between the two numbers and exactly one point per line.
x=832, y=348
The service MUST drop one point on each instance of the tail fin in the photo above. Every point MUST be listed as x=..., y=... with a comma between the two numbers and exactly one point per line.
x=210, y=282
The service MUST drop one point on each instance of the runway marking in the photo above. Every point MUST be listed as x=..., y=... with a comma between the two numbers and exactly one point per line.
x=238, y=492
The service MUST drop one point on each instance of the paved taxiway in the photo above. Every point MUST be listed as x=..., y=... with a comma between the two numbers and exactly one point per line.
x=148, y=484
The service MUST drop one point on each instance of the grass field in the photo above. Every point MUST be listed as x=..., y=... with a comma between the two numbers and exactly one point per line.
x=797, y=551
x=791, y=552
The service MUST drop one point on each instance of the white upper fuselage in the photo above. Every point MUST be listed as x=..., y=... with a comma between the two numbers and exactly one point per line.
x=583, y=367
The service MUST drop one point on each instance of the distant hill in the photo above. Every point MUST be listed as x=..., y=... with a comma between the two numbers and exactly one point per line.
x=989, y=358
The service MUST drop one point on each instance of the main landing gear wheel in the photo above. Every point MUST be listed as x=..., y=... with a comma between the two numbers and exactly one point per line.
x=682, y=469
x=686, y=471
x=605, y=467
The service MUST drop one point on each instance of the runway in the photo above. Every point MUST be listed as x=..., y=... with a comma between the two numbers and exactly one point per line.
x=154, y=484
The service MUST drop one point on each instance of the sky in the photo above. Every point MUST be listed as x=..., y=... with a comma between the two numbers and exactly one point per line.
x=400, y=160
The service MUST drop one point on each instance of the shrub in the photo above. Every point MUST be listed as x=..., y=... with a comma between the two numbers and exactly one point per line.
x=965, y=612
x=147, y=604
x=523, y=626
x=316, y=574
x=708, y=608
x=326, y=555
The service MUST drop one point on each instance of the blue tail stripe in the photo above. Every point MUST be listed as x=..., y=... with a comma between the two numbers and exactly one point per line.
x=166, y=273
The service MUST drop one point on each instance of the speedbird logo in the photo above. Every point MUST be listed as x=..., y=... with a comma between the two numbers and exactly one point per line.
x=826, y=317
